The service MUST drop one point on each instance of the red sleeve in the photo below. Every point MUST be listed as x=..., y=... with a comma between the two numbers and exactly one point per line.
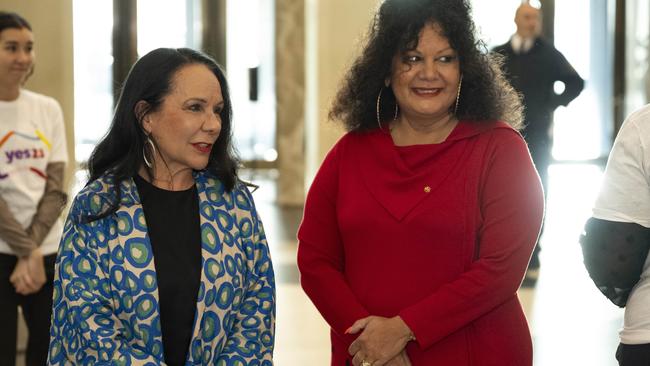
x=320, y=251
x=511, y=210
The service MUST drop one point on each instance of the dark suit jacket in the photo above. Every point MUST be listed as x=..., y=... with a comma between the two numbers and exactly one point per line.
x=533, y=74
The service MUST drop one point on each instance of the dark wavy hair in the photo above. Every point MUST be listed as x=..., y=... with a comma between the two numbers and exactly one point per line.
x=10, y=20
x=13, y=20
x=120, y=152
x=485, y=95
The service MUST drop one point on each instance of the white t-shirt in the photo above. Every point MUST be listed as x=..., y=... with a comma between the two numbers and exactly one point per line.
x=625, y=197
x=32, y=135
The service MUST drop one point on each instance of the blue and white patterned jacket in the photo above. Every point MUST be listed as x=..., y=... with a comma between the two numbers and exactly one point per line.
x=105, y=308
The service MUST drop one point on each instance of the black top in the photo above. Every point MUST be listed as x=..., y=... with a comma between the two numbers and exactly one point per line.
x=533, y=74
x=174, y=230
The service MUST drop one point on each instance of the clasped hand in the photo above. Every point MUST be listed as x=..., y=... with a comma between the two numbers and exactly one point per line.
x=381, y=342
x=29, y=274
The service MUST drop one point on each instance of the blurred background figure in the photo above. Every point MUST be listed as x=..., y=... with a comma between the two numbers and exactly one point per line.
x=32, y=163
x=533, y=66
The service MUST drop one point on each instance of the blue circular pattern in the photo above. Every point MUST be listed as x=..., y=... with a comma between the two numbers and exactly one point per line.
x=138, y=252
x=145, y=305
x=148, y=281
x=106, y=282
x=224, y=220
x=246, y=227
x=210, y=295
x=225, y=295
x=84, y=266
x=210, y=326
x=207, y=210
x=228, y=239
x=231, y=266
x=196, y=349
x=117, y=255
x=212, y=269
x=124, y=223
x=210, y=239
x=139, y=221
x=241, y=200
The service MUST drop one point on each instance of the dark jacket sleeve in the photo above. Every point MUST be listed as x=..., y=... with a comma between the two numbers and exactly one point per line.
x=573, y=83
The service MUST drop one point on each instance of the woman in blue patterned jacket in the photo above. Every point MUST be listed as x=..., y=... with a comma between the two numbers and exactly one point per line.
x=163, y=258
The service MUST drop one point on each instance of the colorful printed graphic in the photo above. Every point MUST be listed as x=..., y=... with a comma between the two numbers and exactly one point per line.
x=25, y=153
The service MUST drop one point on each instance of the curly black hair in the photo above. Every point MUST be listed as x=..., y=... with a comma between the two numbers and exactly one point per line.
x=485, y=96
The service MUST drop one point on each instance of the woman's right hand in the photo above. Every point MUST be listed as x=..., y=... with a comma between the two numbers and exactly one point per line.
x=21, y=279
x=29, y=274
x=36, y=266
x=402, y=359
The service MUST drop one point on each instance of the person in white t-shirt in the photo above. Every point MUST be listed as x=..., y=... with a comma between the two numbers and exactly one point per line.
x=32, y=163
x=617, y=237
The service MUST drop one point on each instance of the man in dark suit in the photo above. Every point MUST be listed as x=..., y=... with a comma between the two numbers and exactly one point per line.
x=533, y=65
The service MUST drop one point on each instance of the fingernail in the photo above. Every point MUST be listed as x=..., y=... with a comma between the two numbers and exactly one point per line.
x=347, y=331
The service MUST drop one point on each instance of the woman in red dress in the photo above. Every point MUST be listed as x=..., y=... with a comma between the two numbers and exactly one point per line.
x=421, y=220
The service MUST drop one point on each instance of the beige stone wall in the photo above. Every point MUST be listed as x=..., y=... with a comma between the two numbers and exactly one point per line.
x=334, y=30
x=51, y=22
x=290, y=84
x=316, y=41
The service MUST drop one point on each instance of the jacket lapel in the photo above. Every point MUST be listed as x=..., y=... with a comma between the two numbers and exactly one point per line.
x=133, y=271
x=207, y=332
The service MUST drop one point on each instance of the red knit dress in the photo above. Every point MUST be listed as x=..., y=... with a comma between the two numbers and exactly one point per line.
x=438, y=234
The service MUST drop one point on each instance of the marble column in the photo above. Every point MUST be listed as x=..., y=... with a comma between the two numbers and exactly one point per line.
x=290, y=81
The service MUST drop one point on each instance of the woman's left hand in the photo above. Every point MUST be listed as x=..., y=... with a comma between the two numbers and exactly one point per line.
x=29, y=274
x=380, y=341
x=21, y=278
x=36, y=266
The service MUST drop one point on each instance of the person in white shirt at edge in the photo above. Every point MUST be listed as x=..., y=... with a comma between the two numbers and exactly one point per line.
x=621, y=215
x=32, y=163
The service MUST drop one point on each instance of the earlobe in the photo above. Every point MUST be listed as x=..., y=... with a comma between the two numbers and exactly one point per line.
x=146, y=125
x=140, y=110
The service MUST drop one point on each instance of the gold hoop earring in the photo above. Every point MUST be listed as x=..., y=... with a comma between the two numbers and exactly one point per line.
x=378, y=110
x=460, y=84
x=152, y=148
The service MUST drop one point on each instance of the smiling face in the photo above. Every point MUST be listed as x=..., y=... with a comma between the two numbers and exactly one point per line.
x=16, y=55
x=188, y=122
x=425, y=79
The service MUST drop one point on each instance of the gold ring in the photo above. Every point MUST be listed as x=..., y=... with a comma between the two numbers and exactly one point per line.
x=365, y=363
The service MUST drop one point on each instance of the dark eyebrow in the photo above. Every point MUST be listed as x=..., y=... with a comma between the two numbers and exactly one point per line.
x=197, y=100
x=12, y=42
x=201, y=100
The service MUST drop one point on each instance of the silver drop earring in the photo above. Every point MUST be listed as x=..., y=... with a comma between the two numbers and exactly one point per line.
x=460, y=83
x=152, y=148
